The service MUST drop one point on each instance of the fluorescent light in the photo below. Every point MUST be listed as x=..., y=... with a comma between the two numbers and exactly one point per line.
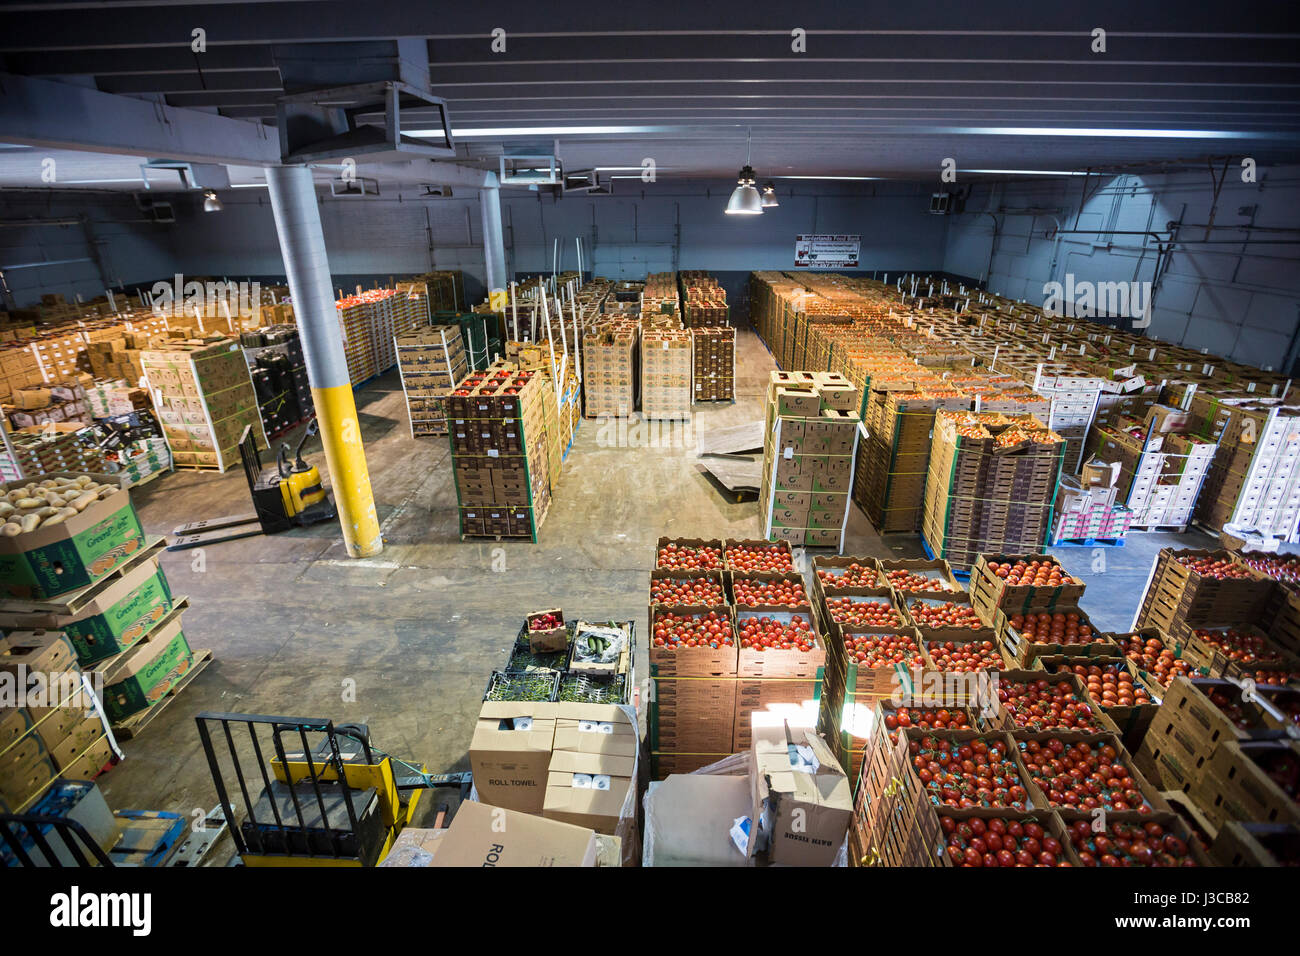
x=248, y=185
x=1105, y=131
x=87, y=182
x=1024, y=172
x=846, y=178
x=496, y=131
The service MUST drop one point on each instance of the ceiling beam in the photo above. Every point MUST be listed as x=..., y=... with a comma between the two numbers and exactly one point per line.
x=62, y=116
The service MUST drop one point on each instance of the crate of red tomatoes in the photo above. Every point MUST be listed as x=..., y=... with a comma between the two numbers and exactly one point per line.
x=835, y=571
x=779, y=642
x=1035, y=700
x=672, y=588
x=757, y=555
x=862, y=607
x=693, y=641
x=1117, y=686
x=988, y=837
x=689, y=554
x=1064, y=630
x=767, y=589
x=942, y=613
x=964, y=651
x=1160, y=839
x=1017, y=583
x=1158, y=660
x=919, y=576
x=1212, y=649
x=1070, y=770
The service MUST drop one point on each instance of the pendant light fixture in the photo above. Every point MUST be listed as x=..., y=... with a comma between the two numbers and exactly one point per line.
x=211, y=203
x=745, y=200
x=769, y=196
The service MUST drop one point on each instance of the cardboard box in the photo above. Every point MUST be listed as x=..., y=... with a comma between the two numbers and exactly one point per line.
x=510, y=753
x=802, y=802
x=592, y=772
x=490, y=836
x=688, y=819
x=83, y=549
x=115, y=620
x=147, y=673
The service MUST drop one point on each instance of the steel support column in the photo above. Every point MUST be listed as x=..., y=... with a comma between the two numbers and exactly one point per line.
x=302, y=245
x=494, y=247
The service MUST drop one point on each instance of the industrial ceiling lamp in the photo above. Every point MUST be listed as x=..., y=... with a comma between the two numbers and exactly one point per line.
x=769, y=196
x=745, y=200
x=210, y=202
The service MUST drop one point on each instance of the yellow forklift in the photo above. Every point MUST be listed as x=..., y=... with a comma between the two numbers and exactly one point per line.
x=284, y=496
x=328, y=796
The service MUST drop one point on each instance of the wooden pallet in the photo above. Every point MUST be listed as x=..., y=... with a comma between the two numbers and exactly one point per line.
x=149, y=477
x=74, y=601
x=133, y=725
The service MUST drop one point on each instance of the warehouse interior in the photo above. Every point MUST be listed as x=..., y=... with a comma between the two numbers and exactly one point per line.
x=980, y=367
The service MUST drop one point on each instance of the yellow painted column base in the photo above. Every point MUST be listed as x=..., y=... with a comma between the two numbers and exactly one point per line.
x=498, y=300
x=340, y=432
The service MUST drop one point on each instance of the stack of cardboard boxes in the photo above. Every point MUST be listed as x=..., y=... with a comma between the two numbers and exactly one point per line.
x=609, y=368
x=809, y=446
x=432, y=363
x=704, y=302
x=666, y=374
x=204, y=398
x=715, y=364
x=59, y=730
x=52, y=402
x=575, y=763
x=990, y=485
x=53, y=448
x=370, y=321
x=500, y=454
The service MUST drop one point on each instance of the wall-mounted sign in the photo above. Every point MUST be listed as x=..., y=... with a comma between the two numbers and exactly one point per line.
x=826, y=252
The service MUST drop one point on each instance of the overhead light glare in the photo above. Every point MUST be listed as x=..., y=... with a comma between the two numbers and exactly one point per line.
x=211, y=203
x=769, y=196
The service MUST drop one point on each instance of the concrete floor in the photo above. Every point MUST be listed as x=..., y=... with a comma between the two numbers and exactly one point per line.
x=291, y=619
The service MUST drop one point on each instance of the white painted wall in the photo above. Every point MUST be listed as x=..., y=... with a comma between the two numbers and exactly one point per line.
x=1239, y=298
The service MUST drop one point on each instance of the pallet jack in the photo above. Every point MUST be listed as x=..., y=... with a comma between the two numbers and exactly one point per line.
x=288, y=494
x=335, y=800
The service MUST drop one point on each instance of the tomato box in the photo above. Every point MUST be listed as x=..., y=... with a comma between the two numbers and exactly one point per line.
x=955, y=824
x=1182, y=849
x=703, y=554
x=1212, y=649
x=835, y=572
x=1027, y=640
x=857, y=606
x=919, y=576
x=1023, y=705
x=546, y=632
x=764, y=588
x=692, y=661
x=962, y=650
x=1132, y=713
x=1105, y=750
x=1254, y=780
x=778, y=625
x=1256, y=844
x=749, y=554
x=50, y=561
x=990, y=589
x=1192, y=815
x=672, y=588
x=945, y=611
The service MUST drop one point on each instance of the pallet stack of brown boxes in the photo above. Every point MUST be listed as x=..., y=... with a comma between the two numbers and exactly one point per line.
x=666, y=374
x=499, y=453
x=990, y=485
x=431, y=362
x=715, y=364
x=204, y=398
x=809, y=443
x=609, y=368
